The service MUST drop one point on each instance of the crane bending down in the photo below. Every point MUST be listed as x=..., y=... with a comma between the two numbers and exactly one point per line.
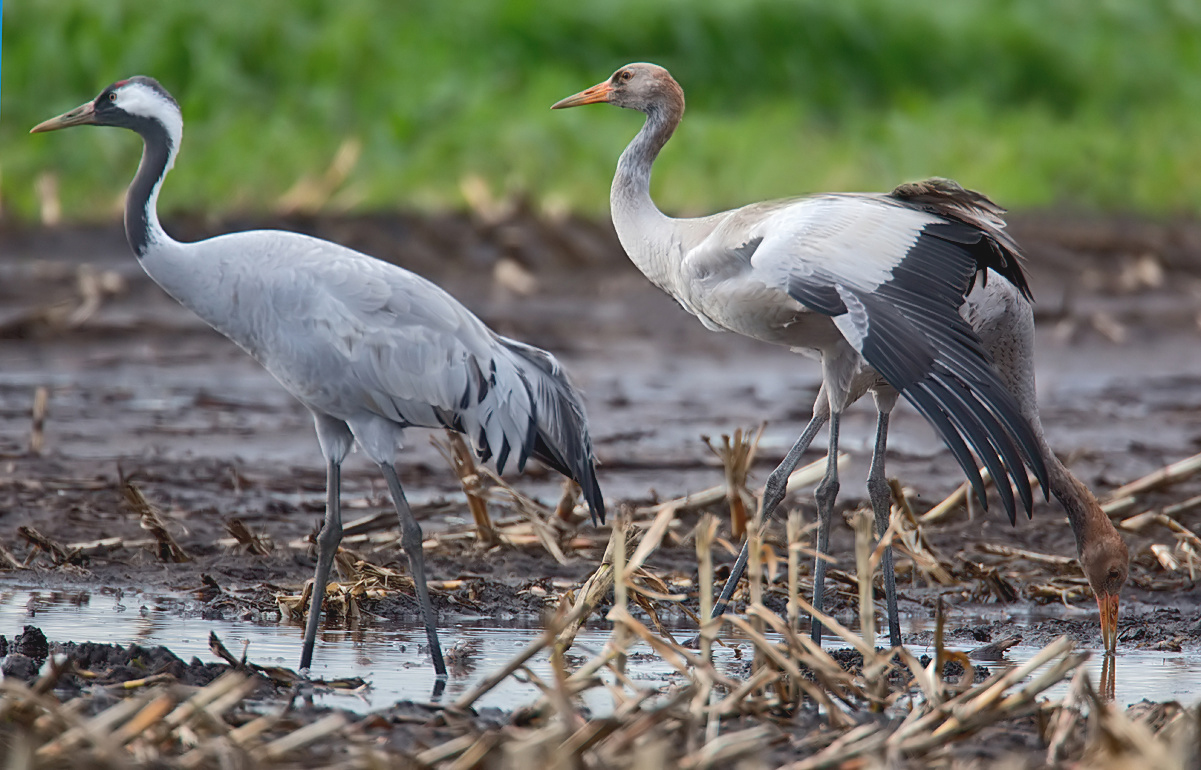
x=873, y=285
x=368, y=347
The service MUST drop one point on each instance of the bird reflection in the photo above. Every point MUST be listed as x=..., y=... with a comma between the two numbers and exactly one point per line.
x=1109, y=676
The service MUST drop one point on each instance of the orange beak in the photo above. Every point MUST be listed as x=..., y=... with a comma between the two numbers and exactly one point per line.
x=598, y=93
x=1108, y=604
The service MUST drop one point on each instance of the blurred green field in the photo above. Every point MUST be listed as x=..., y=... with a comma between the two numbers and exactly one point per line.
x=1093, y=105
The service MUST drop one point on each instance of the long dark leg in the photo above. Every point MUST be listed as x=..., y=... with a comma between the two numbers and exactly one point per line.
x=877, y=490
x=327, y=546
x=410, y=540
x=773, y=494
x=826, y=493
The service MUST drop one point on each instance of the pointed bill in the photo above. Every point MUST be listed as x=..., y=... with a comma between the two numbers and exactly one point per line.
x=1108, y=605
x=84, y=114
x=598, y=93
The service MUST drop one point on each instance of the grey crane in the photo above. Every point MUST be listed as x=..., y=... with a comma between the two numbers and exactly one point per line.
x=871, y=284
x=370, y=348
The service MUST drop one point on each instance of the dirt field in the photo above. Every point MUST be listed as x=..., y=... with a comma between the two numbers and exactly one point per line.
x=138, y=389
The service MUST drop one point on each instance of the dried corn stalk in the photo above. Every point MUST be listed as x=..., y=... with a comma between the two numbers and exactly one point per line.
x=737, y=452
x=151, y=520
x=462, y=461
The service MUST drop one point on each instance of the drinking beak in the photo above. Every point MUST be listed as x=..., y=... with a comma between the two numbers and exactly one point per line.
x=1108, y=605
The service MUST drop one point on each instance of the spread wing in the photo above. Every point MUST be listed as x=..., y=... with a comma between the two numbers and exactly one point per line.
x=892, y=276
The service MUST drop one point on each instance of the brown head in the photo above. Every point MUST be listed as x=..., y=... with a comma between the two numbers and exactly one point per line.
x=1105, y=560
x=1103, y=554
x=644, y=87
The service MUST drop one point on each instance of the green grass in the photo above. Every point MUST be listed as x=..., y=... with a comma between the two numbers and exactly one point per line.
x=1089, y=104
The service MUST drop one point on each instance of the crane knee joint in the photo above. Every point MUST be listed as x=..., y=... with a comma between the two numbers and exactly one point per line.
x=329, y=537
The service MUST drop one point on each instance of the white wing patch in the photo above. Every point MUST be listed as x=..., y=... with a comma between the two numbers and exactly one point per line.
x=856, y=241
x=854, y=323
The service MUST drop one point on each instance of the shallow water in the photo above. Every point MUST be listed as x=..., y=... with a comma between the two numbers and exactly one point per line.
x=392, y=659
x=1141, y=674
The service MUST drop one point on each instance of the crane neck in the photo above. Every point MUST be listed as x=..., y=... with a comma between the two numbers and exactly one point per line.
x=159, y=149
x=189, y=272
x=1089, y=522
x=632, y=183
x=646, y=234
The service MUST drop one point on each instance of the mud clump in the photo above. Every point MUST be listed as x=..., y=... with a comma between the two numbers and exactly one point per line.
x=953, y=669
x=25, y=654
x=101, y=664
x=113, y=664
x=19, y=666
x=32, y=643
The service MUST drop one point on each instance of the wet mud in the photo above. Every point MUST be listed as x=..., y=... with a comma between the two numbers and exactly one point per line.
x=136, y=390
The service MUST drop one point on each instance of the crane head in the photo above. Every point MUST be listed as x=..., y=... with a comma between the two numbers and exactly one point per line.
x=126, y=103
x=638, y=86
x=1106, y=565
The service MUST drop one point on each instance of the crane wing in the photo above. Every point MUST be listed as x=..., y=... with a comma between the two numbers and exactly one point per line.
x=892, y=278
x=561, y=440
x=346, y=333
x=355, y=333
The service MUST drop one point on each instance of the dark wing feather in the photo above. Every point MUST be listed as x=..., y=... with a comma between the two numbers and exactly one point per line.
x=558, y=435
x=909, y=330
x=983, y=232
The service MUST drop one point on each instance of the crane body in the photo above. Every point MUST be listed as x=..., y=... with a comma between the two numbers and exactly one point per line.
x=871, y=284
x=368, y=347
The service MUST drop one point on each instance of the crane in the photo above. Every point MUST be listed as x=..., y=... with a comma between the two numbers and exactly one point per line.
x=1004, y=321
x=873, y=286
x=368, y=347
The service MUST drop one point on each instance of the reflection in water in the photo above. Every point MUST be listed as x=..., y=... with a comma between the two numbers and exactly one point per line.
x=1152, y=675
x=393, y=659
x=1109, y=674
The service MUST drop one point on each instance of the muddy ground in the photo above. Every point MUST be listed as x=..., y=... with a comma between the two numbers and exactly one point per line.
x=140, y=389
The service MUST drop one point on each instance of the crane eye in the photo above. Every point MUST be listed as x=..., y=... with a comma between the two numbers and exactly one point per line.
x=112, y=96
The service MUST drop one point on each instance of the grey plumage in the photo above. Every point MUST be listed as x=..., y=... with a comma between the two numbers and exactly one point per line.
x=368, y=347
x=359, y=339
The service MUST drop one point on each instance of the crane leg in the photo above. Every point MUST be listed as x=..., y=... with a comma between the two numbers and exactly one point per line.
x=826, y=493
x=327, y=546
x=881, y=497
x=410, y=540
x=773, y=495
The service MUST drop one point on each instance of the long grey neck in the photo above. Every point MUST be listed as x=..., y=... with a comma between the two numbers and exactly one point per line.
x=202, y=276
x=1005, y=322
x=186, y=271
x=648, y=236
x=142, y=227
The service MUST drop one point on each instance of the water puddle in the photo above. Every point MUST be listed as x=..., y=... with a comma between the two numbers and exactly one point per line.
x=389, y=656
x=392, y=659
x=1141, y=674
